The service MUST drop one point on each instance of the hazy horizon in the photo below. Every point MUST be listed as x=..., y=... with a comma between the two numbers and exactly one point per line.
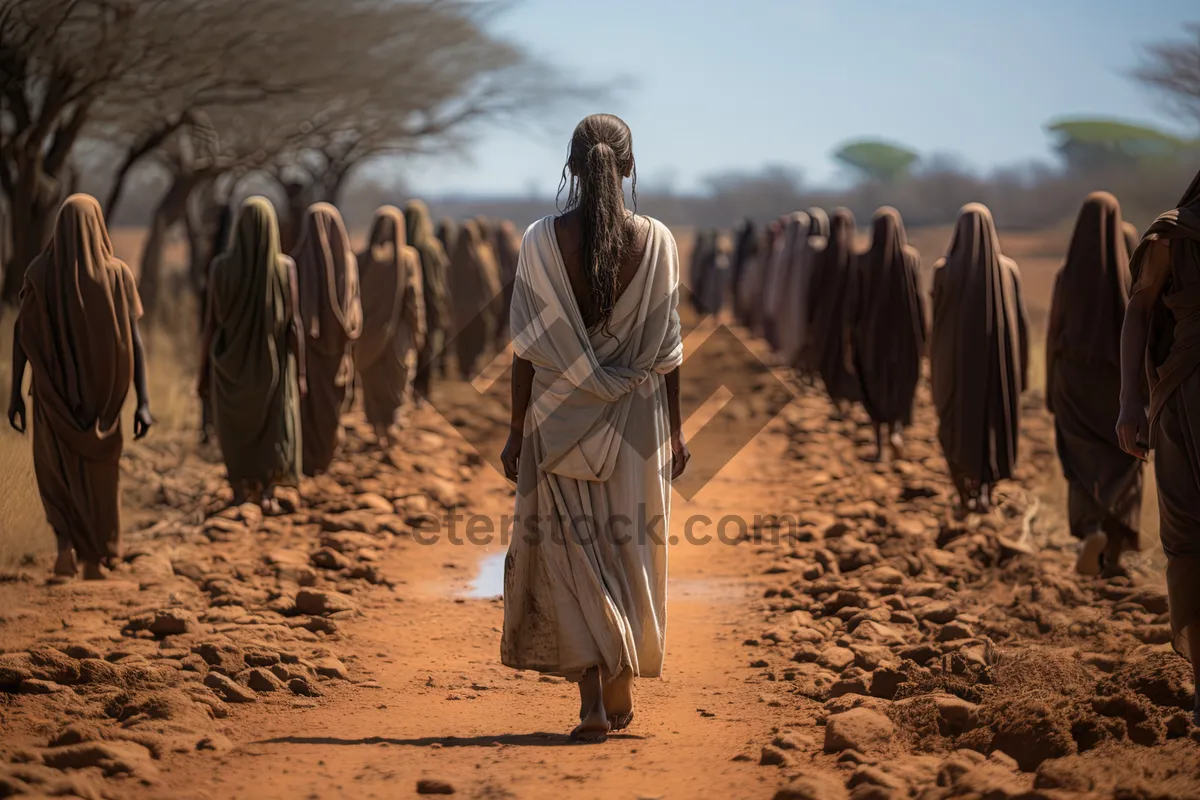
x=718, y=88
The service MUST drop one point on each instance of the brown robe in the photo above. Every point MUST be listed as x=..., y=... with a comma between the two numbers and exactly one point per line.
x=474, y=289
x=78, y=305
x=1083, y=376
x=889, y=329
x=1131, y=236
x=507, y=246
x=1172, y=361
x=253, y=373
x=332, y=315
x=393, y=309
x=979, y=351
x=434, y=264
x=797, y=348
x=830, y=306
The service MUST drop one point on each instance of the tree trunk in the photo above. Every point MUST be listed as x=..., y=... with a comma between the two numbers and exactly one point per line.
x=33, y=207
x=169, y=212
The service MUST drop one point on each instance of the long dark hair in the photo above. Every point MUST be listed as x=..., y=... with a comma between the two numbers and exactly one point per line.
x=598, y=160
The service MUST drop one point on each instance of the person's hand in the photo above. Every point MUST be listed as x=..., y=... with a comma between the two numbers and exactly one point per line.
x=510, y=457
x=142, y=421
x=1133, y=429
x=16, y=412
x=680, y=456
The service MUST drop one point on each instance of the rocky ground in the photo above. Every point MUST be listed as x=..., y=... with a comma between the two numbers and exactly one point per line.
x=850, y=640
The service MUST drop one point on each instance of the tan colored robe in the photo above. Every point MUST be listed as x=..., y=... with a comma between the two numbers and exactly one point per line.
x=331, y=311
x=78, y=305
x=889, y=322
x=393, y=307
x=474, y=281
x=1083, y=375
x=434, y=264
x=585, y=576
x=253, y=373
x=979, y=351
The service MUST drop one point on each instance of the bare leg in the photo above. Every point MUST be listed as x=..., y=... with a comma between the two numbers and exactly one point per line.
x=383, y=437
x=593, y=724
x=1112, y=557
x=269, y=505
x=1091, y=550
x=878, y=458
x=618, y=700
x=65, y=566
x=91, y=571
x=896, y=438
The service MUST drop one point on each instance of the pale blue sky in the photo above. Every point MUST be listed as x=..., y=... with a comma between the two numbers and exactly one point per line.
x=722, y=85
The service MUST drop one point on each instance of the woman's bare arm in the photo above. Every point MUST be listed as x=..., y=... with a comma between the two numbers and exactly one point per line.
x=522, y=392
x=679, y=451
x=1132, y=427
x=16, y=403
x=142, y=421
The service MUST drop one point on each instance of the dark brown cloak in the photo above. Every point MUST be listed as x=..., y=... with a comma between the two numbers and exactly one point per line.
x=889, y=328
x=979, y=351
x=332, y=315
x=830, y=306
x=1083, y=375
x=1173, y=355
x=78, y=305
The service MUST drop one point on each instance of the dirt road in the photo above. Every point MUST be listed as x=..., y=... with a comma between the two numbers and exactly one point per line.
x=867, y=645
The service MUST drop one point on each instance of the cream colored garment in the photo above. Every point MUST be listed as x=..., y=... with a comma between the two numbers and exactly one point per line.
x=585, y=576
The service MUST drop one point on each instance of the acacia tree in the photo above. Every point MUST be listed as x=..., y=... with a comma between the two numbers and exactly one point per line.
x=1173, y=68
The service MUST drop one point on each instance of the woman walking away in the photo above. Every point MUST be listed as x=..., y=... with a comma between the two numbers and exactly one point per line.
x=508, y=250
x=78, y=331
x=447, y=234
x=474, y=288
x=1083, y=387
x=889, y=330
x=331, y=311
x=829, y=311
x=252, y=367
x=595, y=404
x=1158, y=341
x=393, y=306
x=979, y=357
x=793, y=309
x=434, y=264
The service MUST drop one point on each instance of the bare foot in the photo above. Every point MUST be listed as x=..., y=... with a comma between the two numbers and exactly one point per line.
x=65, y=565
x=593, y=723
x=92, y=571
x=897, y=442
x=1090, y=551
x=618, y=700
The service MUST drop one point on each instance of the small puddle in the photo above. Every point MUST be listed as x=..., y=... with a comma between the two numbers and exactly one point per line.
x=489, y=582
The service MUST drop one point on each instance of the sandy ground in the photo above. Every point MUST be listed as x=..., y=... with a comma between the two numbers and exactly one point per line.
x=867, y=647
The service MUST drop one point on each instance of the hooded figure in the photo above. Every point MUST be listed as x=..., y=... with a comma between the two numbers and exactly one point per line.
x=434, y=264
x=830, y=310
x=78, y=330
x=795, y=237
x=474, y=288
x=1162, y=326
x=745, y=237
x=253, y=368
x=793, y=309
x=979, y=357
x=331, y=312
x=889, y=328
x=703, y=261
x=1083, y=386
x=508, y=250
x=393, y=329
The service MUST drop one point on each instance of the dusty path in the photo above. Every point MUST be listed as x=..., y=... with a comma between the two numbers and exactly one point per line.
x=874, y=647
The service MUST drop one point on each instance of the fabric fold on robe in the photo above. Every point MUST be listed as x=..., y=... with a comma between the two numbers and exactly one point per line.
x=795, y=239
x=1173, y=370
x=793, y=310
x=254, y=387
x=979, y=351
x=331, y=311
x=889, y=326
x=585, y=575
x=1083, y=375
x=78, y=306
x=393, y=307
